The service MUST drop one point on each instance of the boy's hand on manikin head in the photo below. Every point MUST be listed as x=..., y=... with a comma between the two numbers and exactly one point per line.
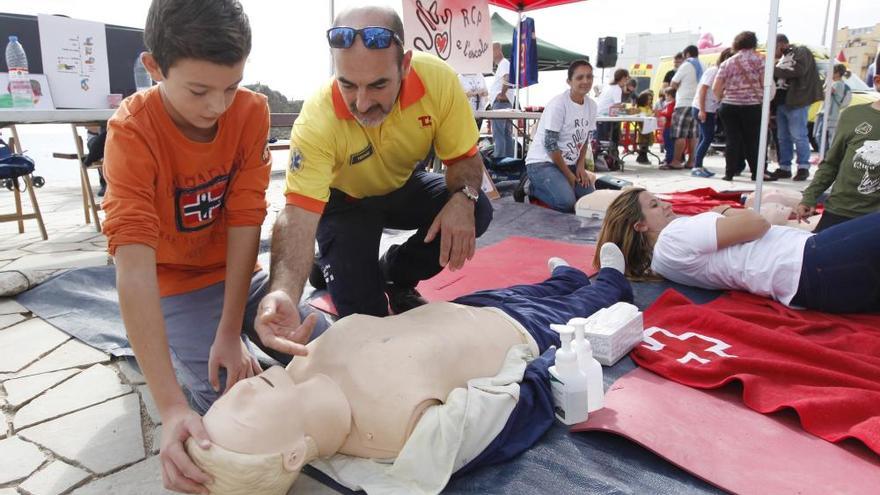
x=279, y=326
x=179, y=472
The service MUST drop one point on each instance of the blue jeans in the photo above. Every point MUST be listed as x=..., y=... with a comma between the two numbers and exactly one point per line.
x=707, y=134
x=668, y=144
x=501, y=132
x=552, y=188
x=191, y=321
x=791, y=127
x=567, y=294
x=841, y=270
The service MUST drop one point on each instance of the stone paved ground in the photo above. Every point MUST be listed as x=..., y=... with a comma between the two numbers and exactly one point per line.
x=73, y=419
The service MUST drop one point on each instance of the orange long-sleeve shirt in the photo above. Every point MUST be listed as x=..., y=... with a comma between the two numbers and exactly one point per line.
x=180, y=196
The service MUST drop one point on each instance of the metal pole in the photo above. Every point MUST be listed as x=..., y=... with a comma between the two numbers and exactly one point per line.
x=825, y=24
x=769, y=64
x=519, y=56
x=823, y=136
x=333, y=18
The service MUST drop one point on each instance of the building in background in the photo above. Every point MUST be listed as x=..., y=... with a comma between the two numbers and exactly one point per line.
x=647, y=48
x=859, y=46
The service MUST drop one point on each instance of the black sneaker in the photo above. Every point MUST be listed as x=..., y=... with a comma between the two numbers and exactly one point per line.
x=781, y=174
x=403, y=299
x=802, y=174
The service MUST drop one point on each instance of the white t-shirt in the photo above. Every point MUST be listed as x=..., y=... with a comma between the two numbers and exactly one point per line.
x=610, y=95
x=571, y=120
x=687, y=252
x=686, y=77
x=474, y=83
x=707, y=80
x=502, y=70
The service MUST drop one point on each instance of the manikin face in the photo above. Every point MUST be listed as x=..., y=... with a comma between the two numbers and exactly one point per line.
x=196, y=92
x=657, y=213
x=581, y=81
x=258, y=415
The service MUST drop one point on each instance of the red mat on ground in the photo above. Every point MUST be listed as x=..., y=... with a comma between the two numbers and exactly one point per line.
x=713, y=436
x=515, y=260
x=825, y=367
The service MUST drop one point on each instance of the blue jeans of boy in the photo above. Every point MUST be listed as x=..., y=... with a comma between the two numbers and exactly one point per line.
x=668, y=144
x=707, y=134
x=791, y=127
x=841, y=270
x=548, y=184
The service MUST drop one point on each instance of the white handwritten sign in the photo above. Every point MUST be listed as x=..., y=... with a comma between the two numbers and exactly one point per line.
x=457, y=31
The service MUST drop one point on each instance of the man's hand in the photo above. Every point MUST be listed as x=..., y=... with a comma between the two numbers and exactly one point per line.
x=279, y=327
x=702, y=116
x=803, y=212
x=179, y=472
x=584, y=177
x=230, y=352
x=458, y=237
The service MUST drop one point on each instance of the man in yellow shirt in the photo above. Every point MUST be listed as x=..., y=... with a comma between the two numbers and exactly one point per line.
x=352, y=172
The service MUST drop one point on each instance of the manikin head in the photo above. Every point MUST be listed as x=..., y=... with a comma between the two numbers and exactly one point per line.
x=633, y=221
x=369, y=79
x=266, y=428
x=197, y=51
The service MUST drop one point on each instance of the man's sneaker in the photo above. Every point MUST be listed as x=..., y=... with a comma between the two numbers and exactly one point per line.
x=781, y=174
x=802, y=174
x=403, y=299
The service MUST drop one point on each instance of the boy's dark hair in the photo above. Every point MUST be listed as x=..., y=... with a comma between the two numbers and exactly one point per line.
x=691, y=51
x=216, y=31
x=573, y=66
x=746, y=40
x=839, y=69
x=619, y=74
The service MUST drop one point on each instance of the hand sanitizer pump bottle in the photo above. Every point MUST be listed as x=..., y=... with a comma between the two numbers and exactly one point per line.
x=568, y=384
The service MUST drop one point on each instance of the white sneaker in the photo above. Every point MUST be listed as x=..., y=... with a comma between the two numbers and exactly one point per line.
x=554, y=262
x=611, y=257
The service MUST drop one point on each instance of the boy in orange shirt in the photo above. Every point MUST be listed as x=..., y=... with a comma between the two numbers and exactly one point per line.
x=188, y=165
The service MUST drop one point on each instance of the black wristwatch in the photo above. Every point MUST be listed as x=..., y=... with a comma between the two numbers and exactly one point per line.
x=470, y=193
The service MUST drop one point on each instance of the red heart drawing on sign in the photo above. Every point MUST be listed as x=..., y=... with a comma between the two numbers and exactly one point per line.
x=441, y=41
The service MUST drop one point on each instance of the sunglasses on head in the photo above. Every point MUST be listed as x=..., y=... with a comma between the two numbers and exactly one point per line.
x=373, y=37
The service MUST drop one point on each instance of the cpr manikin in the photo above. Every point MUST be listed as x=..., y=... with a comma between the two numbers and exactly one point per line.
x=367, y=382
x=360, y=391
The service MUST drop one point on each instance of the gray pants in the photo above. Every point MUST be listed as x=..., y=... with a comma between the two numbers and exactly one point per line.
x=191, y=321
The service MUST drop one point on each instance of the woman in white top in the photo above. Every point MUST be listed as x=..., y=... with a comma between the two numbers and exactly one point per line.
x=556, y=161
x=836, y=270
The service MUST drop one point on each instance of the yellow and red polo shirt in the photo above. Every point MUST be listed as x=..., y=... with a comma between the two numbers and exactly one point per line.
x=330, y=149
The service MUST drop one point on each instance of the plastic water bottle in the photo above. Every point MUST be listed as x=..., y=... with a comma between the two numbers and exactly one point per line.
x=142, y=78
x=19, y=80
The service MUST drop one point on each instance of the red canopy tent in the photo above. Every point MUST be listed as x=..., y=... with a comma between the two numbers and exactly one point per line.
x=527, y=5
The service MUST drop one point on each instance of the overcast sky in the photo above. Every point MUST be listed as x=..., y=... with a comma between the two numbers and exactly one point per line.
x=290, y=54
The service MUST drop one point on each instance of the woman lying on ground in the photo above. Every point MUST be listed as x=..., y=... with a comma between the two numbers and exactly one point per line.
x=836, y=270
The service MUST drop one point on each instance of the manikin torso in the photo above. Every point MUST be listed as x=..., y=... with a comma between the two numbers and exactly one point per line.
x=392, y=369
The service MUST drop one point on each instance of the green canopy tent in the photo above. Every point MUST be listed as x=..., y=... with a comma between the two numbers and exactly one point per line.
x=550, y=56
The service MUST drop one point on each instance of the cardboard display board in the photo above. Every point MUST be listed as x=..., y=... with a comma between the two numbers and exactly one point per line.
x=457, y=31
x=74, y=54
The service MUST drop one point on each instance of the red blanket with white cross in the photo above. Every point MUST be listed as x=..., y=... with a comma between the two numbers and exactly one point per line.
x=825, y=367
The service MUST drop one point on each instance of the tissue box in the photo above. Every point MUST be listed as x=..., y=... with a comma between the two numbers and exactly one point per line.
x=611, y=344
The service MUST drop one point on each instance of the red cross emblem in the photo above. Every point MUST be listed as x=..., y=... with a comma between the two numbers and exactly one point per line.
x=425, y=120
x=199, y=206
x=690, y=346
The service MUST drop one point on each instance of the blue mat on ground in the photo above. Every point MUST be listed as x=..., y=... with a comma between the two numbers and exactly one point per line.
x=84, y=304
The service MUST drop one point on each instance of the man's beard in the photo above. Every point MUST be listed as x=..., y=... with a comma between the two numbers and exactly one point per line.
x=372, y=121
